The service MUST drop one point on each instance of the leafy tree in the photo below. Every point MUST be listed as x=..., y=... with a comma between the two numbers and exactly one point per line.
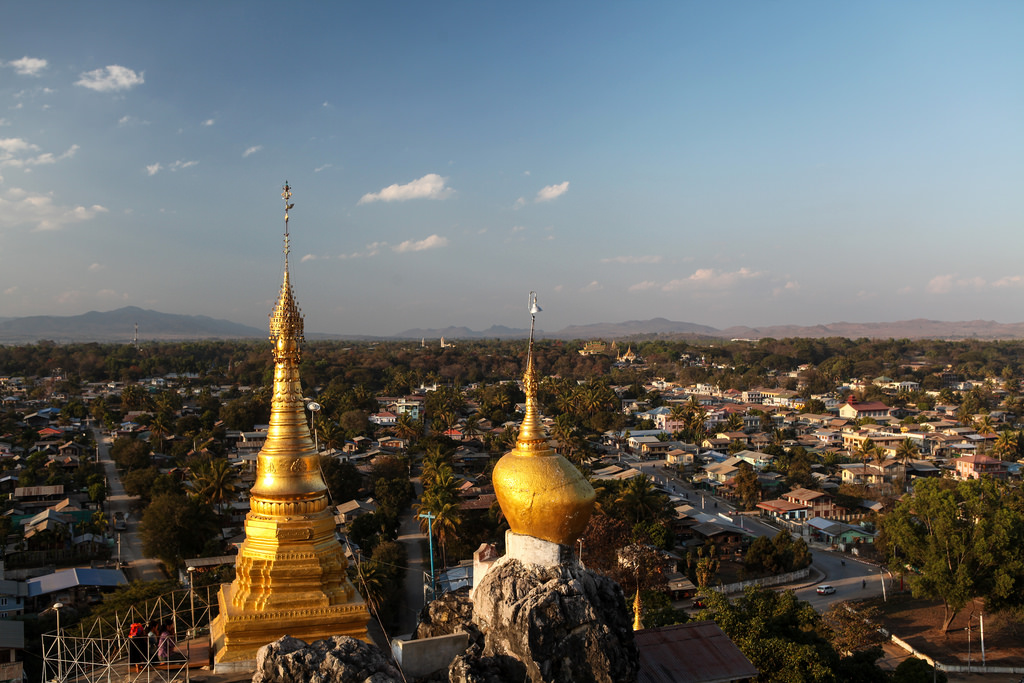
x=781, y=635
x=176, y=527
x=129, y=453
x=342, y=478
x=914, y=670
x=851, y=629
x=98, y=493
x=959, y=541
x=748, y=488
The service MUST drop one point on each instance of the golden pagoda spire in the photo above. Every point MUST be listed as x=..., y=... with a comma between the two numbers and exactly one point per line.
x=531, y=437
x=638, y=624
x=541, y=493
x=290, y=572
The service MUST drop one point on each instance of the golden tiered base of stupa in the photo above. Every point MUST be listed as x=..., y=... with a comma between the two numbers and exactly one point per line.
x=290, y=580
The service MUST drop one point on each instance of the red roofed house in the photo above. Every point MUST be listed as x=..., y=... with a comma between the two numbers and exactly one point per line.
x=851, y=410
x=974, y=466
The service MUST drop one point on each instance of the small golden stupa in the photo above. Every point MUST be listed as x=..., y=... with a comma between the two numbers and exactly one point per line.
x=290, y=572
x=541, y=493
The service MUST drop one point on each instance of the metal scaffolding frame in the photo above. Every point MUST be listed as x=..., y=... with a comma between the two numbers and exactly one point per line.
x=99, y=652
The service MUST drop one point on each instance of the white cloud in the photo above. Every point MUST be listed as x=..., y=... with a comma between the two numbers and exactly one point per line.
x=4, y=122
x=518, y=228
x=128, y=120
x=526, y=173
x=110, y=79
x=430, y=186
x=28, y=66
x=519, y=203
x=9, y=147
x=19, y=207
x=13, y=153
x=322, y=168
x=95, y=267
x=153, y=169
x=209, y=122
x=944, y=284
x=308, y=257
x=69, y=297
x=178, y=165
x=651, y=258
x=1009, y=281
x=252, y=150
x=940, y=284
x=709, y=278
x=432, y=242
x=550, y=192
x=642, y=286
x=594, y=286
x=11, y=290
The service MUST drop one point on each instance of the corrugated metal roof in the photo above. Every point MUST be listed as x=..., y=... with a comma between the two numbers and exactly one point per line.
x=695, y=652
x=70, y=578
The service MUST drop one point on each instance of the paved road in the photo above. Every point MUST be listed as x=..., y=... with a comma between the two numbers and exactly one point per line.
x=414, y=540
x=140, y=567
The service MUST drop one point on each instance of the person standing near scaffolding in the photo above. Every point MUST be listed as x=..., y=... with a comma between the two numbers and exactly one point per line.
x=138, y=646
x=166, y=650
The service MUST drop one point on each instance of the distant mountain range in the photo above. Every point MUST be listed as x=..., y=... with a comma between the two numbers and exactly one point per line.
x=119, y=326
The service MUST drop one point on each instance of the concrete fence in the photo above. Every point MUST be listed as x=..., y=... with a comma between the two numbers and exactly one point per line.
x=777, y=580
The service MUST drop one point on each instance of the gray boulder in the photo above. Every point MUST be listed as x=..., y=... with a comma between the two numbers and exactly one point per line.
x=549, y=623
x=338, y=659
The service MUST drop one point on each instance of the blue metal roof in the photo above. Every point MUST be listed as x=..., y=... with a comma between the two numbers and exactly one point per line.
x=70, y=578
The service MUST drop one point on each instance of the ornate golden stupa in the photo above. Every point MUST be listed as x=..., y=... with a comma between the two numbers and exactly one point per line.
x=541, y=493
x=290, y=572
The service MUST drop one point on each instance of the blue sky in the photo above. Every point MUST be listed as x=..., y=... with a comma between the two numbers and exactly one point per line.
x=723, y=163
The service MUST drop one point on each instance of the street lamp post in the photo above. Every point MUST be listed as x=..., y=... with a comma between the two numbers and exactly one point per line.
x=60, y=669
x=313, y=407
x=191, y=599
x=429, y=516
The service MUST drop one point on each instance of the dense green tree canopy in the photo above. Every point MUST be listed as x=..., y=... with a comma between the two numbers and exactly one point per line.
x=957, y=541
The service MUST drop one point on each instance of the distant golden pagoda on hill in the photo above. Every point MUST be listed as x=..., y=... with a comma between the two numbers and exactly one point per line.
x=290, y=572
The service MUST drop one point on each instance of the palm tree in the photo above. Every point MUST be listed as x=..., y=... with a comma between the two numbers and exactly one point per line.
x=408, y=428
x=331, y=434
x=1006, y=445
x=905, y=452
x=984, y=424
x=214, y=481
x=867, y=450
x=734, y=422
x=443, y=421
x=641, y=500
x=159, y=428
x=564, y=431
x=471, y=427
x=446, y=518
x=373, y=582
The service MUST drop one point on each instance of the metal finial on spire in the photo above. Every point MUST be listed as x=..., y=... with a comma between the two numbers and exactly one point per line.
x=286, y=195
x=534, y=310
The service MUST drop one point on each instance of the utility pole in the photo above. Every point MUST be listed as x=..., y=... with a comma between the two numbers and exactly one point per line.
x=430, y=517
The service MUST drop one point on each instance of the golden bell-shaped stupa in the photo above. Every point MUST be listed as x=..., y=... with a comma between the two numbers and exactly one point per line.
x=541, y=493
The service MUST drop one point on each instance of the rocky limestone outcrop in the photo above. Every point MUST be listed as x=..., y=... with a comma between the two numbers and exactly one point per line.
x=450, y=613
x=338, y=659
x=546, y=624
